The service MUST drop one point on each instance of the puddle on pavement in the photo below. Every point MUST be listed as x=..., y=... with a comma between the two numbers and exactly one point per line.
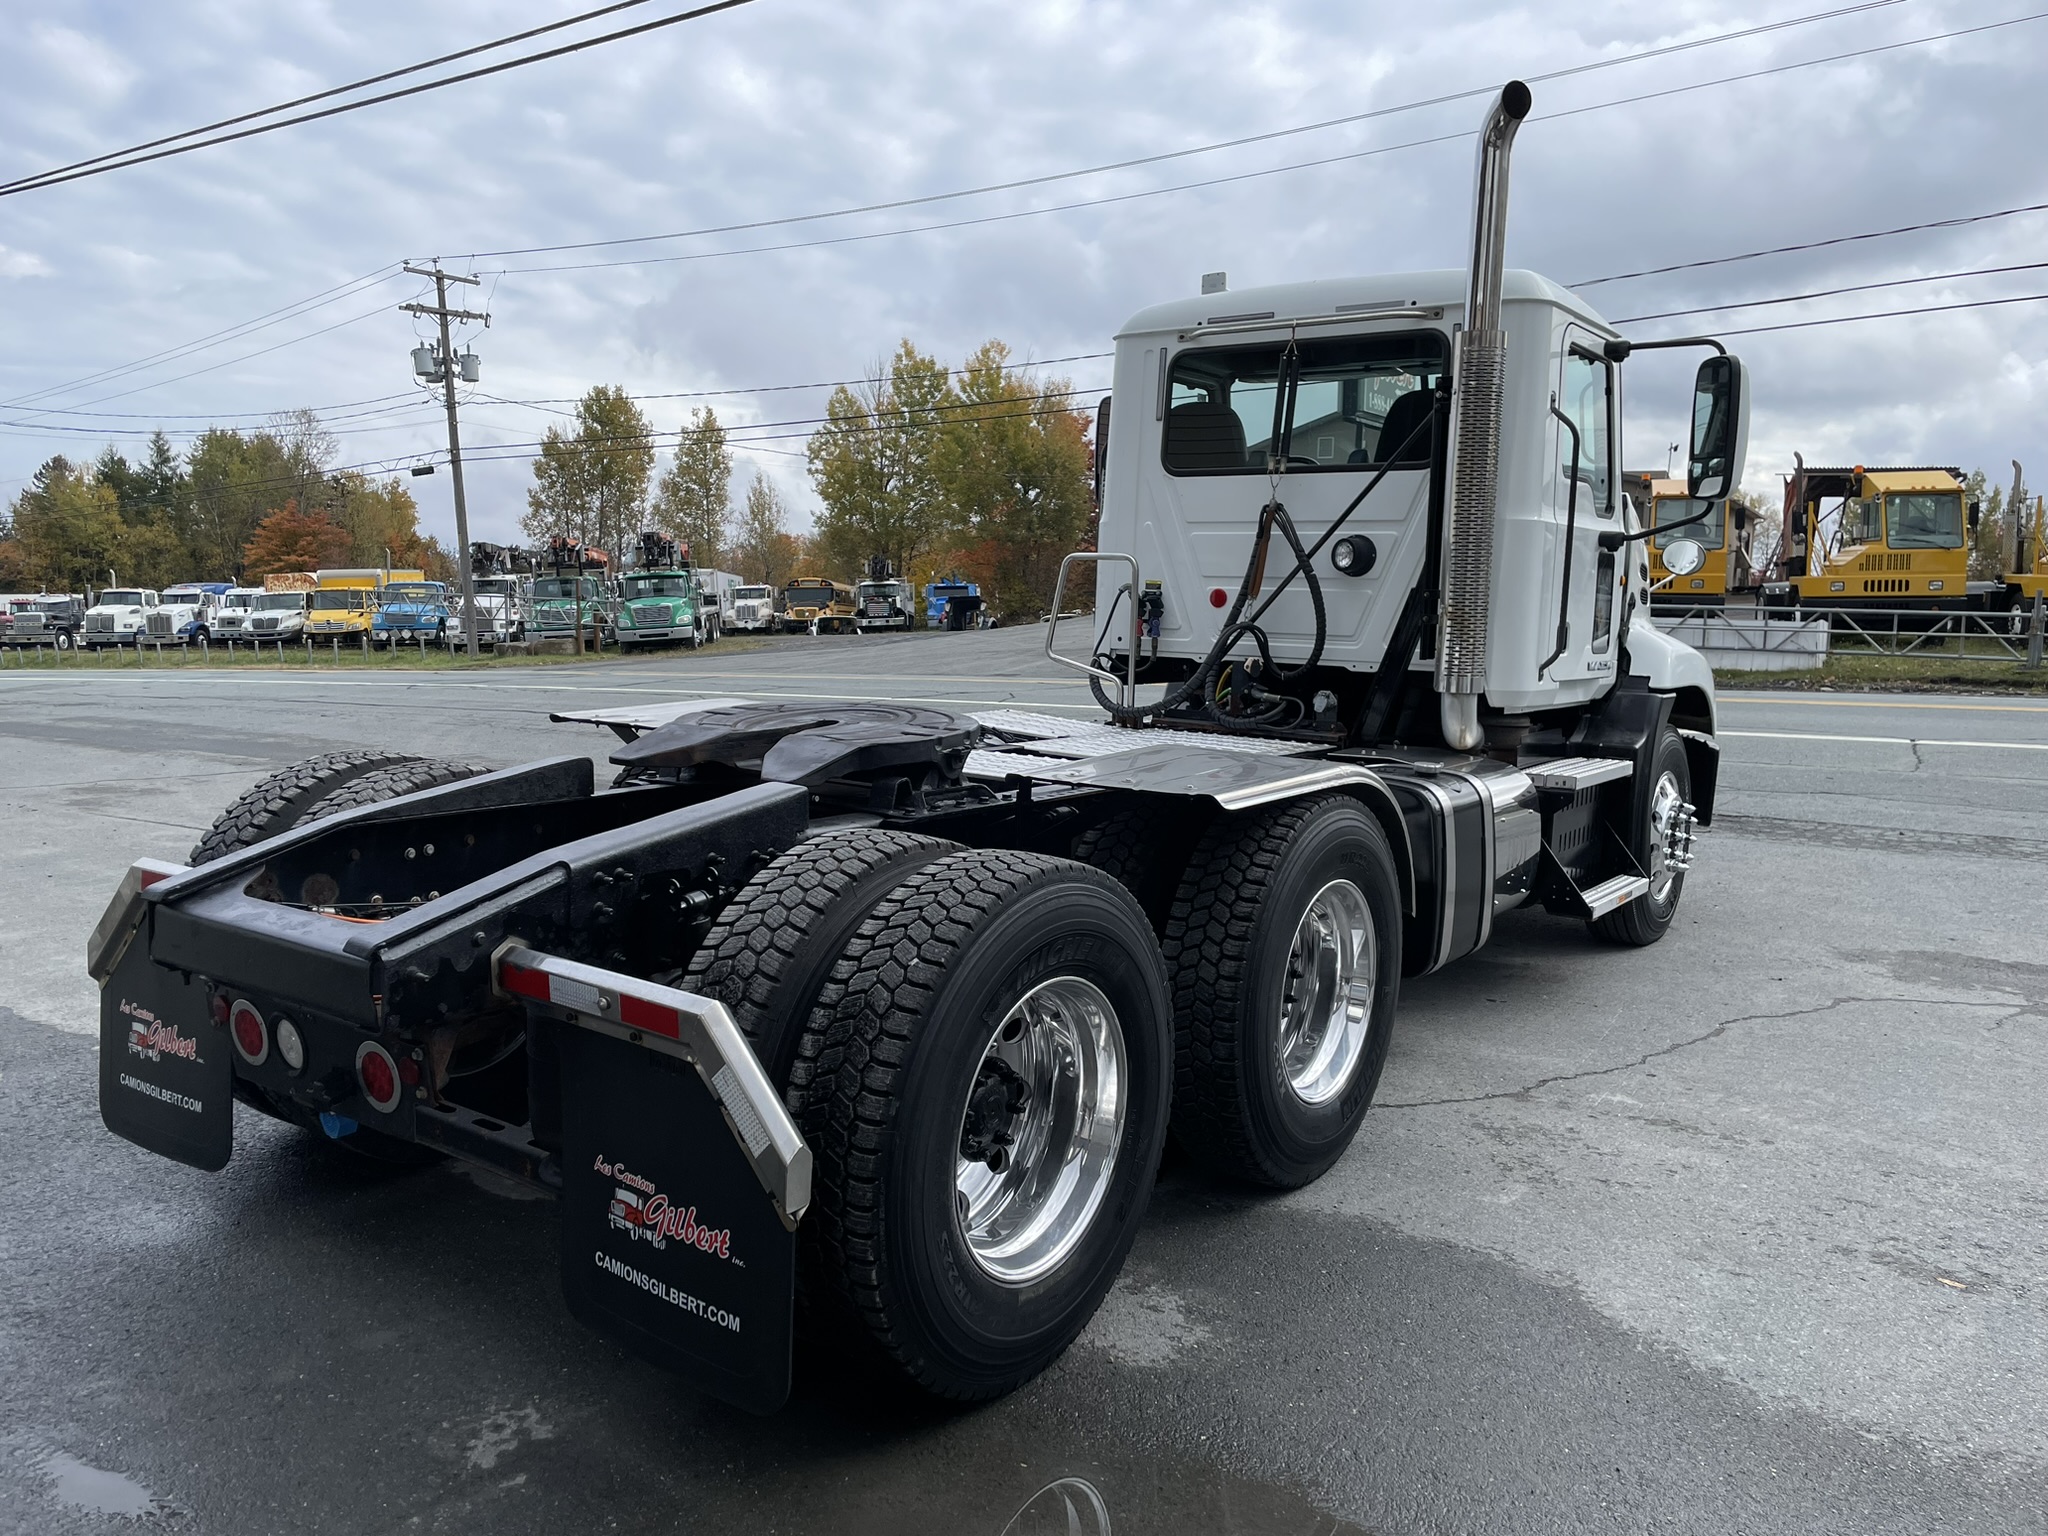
x=95, y=1490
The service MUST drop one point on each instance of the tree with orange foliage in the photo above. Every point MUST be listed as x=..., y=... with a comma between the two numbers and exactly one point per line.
x=291, y=540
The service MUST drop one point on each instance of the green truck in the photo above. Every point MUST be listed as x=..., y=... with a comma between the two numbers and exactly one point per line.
x=660, y=600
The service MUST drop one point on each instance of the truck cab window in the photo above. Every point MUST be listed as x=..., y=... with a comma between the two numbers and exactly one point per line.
x=1587, y=398
x=1924, y=521
x=1360, y=398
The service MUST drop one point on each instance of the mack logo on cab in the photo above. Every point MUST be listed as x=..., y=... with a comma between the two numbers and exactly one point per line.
x=644, y=1213
x=152, y=1039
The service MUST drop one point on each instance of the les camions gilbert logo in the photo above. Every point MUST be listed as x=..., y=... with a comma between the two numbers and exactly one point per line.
x=152, y=1039
x=645, y=1214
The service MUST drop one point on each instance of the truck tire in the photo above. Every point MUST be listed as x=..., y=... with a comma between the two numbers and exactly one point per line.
x=281, y=801
x=770, y=952
x=389, y=782
x=1138, y=845
x=1669, y=816
x=1283, y=917
x=993, y=1001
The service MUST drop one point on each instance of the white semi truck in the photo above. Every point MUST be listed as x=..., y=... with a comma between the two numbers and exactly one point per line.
x=919, y=993
x=118, y=616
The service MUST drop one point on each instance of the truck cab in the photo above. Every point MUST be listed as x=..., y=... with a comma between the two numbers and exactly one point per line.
x=559, y=598
x=409, y=612
x=277, y=615
x=185, y=614
x=51, y=619
x=1721, y=531
x=501, y=612
x=885, y=604
x=1858, y=537
x=661, y=607
x=119, y=616
x=753, y=609
x=231, y=616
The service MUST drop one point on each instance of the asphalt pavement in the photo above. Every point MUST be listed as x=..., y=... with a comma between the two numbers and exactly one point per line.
x=1743, y=1232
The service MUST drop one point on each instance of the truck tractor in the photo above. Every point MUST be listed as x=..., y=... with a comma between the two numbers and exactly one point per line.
x=753, y=610
x=50, y=618
x=279, y=614
x=908, y=1000
x=573, y=597
x=952, y=604
x=1858, y=538
x=184, y=615
x=118, y=616
x=231, y=614
x=659, y=602
x=411, y=613
x=1722, y=531
x=884, y=603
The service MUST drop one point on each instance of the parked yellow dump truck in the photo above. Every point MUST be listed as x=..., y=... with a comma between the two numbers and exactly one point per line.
x=345, y=601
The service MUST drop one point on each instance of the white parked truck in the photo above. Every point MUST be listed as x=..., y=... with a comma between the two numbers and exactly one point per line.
x=277, y=616
x=883, y=604
x=231, y=617
x=501, y=612
x=753, y=610
x=1371, y=639
x=118, y=616
x=185, y=615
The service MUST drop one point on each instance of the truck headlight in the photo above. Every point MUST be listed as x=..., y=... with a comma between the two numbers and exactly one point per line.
x=1354, y=556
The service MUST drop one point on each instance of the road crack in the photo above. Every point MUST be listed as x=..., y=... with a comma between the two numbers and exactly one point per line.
x=1528, y=1090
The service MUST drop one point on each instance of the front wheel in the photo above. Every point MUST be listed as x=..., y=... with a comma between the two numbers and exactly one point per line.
x=1285, y=950
x=63, y=641
x=987, y=1112
x=1667, y=836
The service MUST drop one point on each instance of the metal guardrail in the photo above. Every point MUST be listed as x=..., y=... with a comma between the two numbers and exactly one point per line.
x=2012, y=635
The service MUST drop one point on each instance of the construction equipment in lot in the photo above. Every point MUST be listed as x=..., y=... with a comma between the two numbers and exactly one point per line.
x=1860, y=537
x=908, y=998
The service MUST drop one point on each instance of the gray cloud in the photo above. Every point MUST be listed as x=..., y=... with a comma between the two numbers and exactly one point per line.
x=791, y=106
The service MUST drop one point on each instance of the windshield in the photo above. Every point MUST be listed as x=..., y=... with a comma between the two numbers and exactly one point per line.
x=192, y=598
x=751, y=592
x=884, y=589
x=1351, y=409
x=657, y=586
x=239, y=600
x=810, y=593
x=272, y=602
x=564, y=587
x=411, y=592
x=347, y=599
x=496, y=586
x=1933, y=520
x=1708, y=533
x=120, y=599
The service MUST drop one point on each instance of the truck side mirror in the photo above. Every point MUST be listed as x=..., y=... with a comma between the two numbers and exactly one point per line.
x=1683, y=556
x=1720, y=428
x=1976, y=512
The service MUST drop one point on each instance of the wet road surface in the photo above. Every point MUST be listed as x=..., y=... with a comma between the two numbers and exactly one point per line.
x=1742, y=1232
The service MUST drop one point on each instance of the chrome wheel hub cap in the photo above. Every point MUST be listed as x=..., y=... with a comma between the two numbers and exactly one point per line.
x=1040, y=1130
x=1326, y=1006
x=1672, y=824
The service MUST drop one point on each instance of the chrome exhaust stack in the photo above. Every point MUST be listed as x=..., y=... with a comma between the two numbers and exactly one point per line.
x=1479, y=381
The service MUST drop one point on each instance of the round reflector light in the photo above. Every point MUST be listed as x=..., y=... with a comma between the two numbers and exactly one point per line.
x=290, y=1045
x=252, y=1040
x=1218, y=597
x=378, y=1074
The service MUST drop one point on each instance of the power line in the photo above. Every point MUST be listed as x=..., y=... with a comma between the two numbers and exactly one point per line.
x=122, y=159
x=332, y=91
x=1829, y=293
x=1215, y=181
x=1886, y=314
x=1182, y=154
x=1815, y=245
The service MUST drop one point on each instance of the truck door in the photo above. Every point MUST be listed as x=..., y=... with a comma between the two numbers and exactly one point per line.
x=1586, y=397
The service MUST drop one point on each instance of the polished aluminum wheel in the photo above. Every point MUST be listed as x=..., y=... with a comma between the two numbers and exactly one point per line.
x=1040, y=1131
x=1326, y=1007
x=1671, y=837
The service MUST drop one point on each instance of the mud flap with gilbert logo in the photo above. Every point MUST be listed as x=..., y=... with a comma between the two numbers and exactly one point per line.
x=670, y=1244
x=166, y=1069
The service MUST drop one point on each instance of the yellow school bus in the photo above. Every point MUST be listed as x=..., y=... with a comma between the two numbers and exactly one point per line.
x=345, y=600
x=1876, y=538
x=818, y=602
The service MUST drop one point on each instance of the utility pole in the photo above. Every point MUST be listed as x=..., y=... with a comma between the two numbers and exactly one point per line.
x=445, y=371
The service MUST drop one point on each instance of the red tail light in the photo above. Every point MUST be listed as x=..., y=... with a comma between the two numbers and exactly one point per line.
x=378, y=1074
x=252, y=1040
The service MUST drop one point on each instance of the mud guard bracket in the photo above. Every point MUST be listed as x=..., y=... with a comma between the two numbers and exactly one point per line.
x=683, y=1177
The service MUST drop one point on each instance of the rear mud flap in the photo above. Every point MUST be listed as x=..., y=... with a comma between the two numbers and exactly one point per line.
x=166, y=1073
x=669, y=1243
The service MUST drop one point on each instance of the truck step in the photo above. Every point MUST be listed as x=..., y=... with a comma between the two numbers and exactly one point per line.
x=1572, y=774
x=1609, y=894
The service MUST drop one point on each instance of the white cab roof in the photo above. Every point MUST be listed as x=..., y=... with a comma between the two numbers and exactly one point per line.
x=1443, y=289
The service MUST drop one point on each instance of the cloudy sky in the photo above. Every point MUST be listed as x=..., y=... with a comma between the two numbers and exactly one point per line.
x=277, y=256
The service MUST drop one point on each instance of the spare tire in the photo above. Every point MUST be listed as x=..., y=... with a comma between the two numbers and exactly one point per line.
x=281, y=801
